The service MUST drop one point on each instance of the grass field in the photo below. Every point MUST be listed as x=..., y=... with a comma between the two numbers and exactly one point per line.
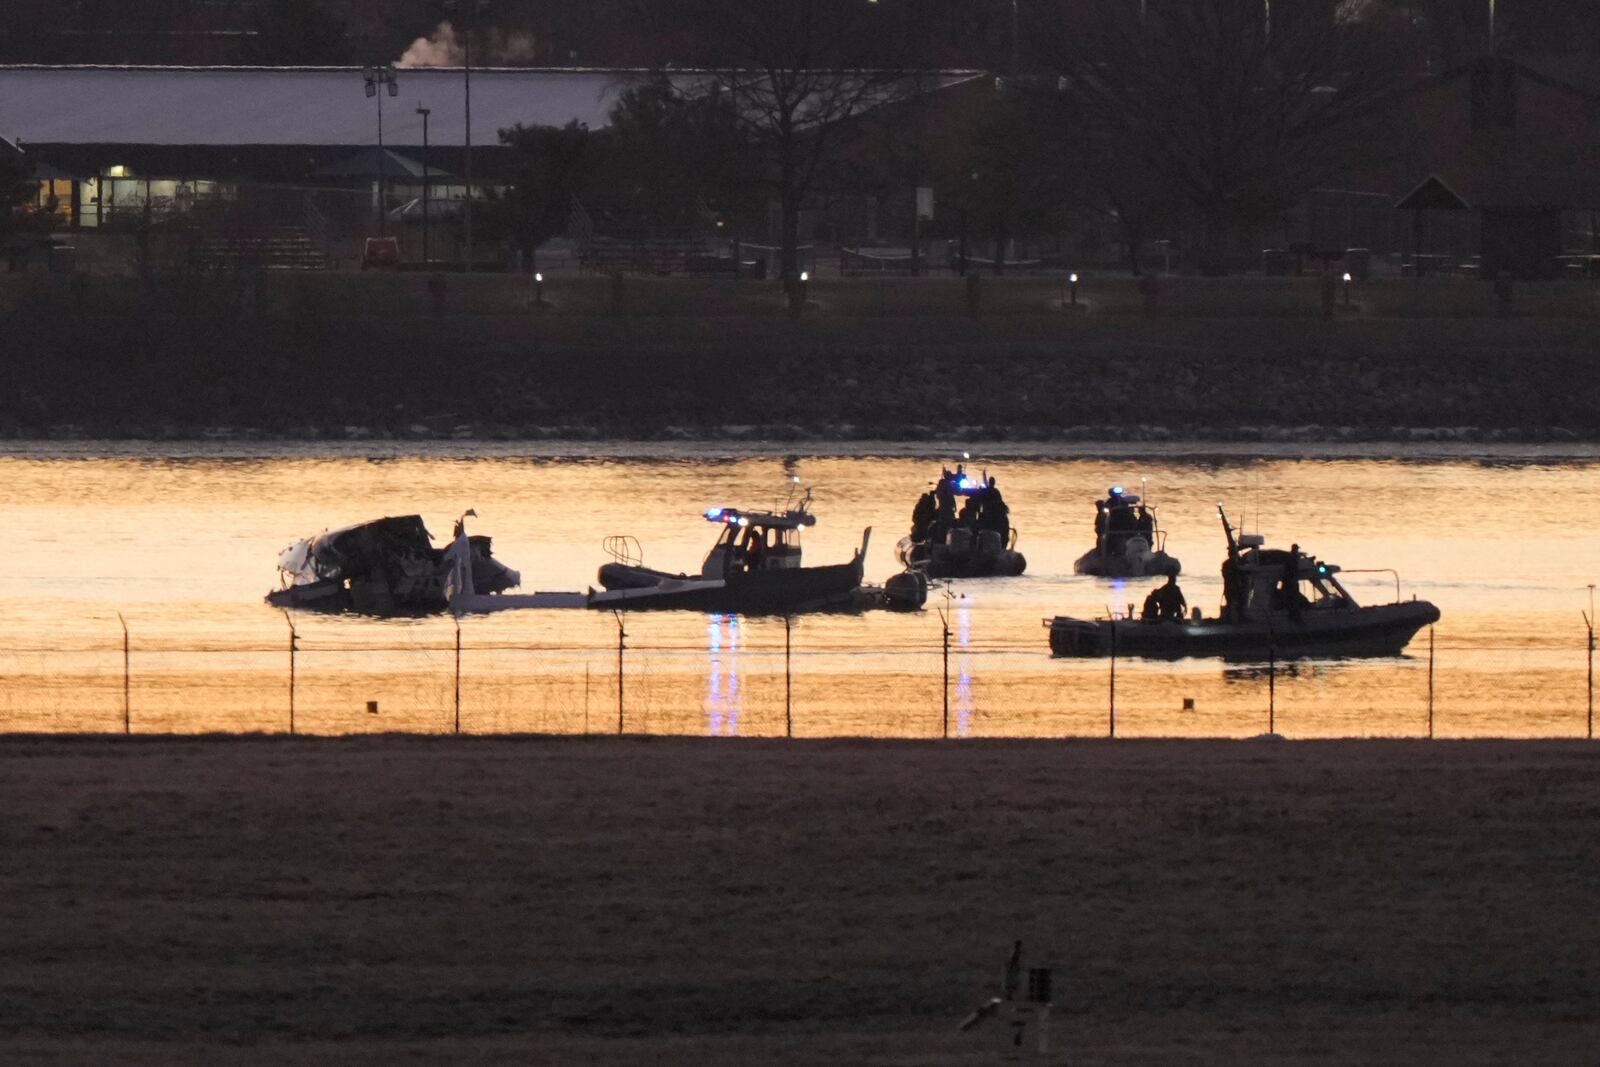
x=689, y=901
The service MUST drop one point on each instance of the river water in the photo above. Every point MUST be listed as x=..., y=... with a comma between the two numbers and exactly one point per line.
x=179, y=543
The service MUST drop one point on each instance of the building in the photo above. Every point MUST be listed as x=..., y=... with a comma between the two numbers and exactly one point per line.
x=1502, y=171
x=128, y=144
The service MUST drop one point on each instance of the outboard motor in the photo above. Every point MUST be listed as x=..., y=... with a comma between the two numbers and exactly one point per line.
x=906, y=591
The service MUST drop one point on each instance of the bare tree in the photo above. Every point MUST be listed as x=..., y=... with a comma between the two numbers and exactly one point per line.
x=1239, y=107
x=793, y=74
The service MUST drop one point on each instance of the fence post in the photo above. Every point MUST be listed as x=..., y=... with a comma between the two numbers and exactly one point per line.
x=294, y=640
x=788, y=678
x=1272, y=687
x=127, y=678
x=1588, y=625
x=621, y=644
x=1112, y=730
x=944, y=625
x=458, y=677
x=1430, y=683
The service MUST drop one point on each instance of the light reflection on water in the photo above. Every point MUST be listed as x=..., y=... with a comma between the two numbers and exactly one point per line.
x=183, y=546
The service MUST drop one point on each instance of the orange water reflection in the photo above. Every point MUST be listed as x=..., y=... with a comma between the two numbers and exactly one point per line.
x=182, y=544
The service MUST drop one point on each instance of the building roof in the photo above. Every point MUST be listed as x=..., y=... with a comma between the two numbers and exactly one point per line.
x=377, y=163
x=1433, y=193
x=300, y=105
x=288, y=106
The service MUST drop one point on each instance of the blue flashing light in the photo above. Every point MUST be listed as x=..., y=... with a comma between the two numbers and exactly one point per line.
x=967, y=483
x=1116, y=490
x=714, y=514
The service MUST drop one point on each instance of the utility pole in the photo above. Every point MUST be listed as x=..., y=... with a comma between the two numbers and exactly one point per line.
x=424, y=112
x=1015, y=47
x=379, y=79
x=470, y=10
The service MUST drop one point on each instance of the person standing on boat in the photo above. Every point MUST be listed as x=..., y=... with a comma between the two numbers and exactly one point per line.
x=922, y=517
x=996, y=514
x=1235, y=590
x=970, y=508
x=944, y=515
x=1292, y=600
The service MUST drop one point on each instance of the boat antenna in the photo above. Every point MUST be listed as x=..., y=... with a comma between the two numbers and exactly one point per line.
x=1233, y=545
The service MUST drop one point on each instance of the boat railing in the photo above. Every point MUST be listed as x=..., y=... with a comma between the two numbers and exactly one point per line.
x=624, y=548
x=1390, y=571
x=1011, y=542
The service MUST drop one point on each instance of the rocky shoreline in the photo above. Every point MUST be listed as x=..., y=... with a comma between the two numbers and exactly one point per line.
x=202, y=361
x=824, y=432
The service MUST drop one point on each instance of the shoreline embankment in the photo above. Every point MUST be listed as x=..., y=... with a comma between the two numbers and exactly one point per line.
x=331, y=356
x=709, y=901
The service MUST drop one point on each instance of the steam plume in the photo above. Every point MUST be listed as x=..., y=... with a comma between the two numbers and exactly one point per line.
x=444, y=47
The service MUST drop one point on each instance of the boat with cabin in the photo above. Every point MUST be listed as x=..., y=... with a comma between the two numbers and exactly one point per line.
x=1129, y=541
x=754, y=568
x=1277, y=603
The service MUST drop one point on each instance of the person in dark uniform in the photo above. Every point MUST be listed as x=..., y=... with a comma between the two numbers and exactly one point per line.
x=1235, y=591
x=970, y=507
x=1121, y=523
x=944, y=514
x=1292, y=600
x=1146, y=526
x=996, y=513
x=1104, y=510
x=922, y=517
x=1165, y=603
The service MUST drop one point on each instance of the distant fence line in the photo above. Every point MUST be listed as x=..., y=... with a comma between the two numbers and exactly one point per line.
x=925, y=690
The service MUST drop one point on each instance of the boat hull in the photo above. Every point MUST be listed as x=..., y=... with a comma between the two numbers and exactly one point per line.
x=1099, y=564
x=1380, y=630
x=1007, y=564
x=965, y=559
x=769, y=592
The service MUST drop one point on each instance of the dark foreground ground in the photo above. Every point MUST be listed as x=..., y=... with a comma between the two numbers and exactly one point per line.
x=684, y=901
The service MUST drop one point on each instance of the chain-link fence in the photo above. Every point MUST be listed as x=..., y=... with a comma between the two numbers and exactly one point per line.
x=770, y=678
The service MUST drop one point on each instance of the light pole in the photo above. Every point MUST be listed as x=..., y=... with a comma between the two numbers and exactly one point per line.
x=377, y=78
x=424, y=112
x=1015, y=48
x=472, y=9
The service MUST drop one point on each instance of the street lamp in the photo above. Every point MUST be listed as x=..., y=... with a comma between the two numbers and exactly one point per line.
x=472, y=9
x=424, y=112
x=377, y=79
x=1073, y=278
x=1346, y=288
